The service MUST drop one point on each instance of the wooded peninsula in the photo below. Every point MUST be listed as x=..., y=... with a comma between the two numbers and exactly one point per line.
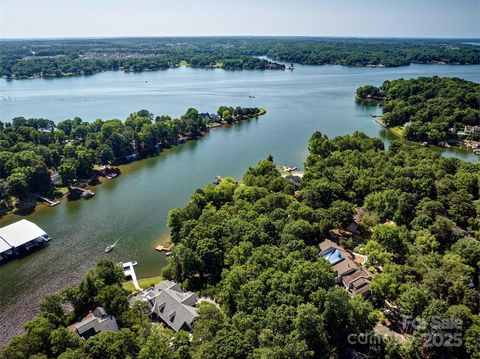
x=39, y=157
x=435, y=110
x=72, y=57
x=254, y=248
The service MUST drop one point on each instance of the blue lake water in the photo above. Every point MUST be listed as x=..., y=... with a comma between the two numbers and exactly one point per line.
x=133, y=208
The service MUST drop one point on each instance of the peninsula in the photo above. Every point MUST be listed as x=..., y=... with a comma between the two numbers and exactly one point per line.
x=40, y=159
x=430, y=110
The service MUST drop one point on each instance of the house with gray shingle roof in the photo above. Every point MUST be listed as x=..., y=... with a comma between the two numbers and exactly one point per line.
x=95, y=322
x=168, y=302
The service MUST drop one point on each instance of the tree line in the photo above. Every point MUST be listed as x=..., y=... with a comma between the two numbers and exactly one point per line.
x=56, y=58
x=253, y=247
x=431, y=109
x=31, y=149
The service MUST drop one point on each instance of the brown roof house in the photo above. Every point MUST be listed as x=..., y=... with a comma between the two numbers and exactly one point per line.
x=95, y=322
x=355, y=225
x=348, y=270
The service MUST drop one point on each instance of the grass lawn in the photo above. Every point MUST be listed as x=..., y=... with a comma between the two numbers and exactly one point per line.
x=397, y=131
x=62, y=190
x=143, y=282
x=184, y=63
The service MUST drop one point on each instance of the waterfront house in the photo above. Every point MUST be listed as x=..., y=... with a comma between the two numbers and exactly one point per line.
x=296, y=180
x=169, y=303
x=468, y=130
x=95, y=322
x=55, y=178
x=210, y=117
x=347, y=268
x=21, y=236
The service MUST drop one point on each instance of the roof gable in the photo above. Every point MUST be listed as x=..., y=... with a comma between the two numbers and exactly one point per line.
x=174, y=306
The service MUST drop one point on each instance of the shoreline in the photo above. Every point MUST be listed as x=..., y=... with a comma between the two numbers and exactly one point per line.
x=221, y=66
x=32, y=203
x=391, y=131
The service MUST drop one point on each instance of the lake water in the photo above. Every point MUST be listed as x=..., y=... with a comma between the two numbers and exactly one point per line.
x=133, y=208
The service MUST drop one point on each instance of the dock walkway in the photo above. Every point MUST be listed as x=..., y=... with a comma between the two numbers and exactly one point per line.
x=128, y=271
x=50, y=202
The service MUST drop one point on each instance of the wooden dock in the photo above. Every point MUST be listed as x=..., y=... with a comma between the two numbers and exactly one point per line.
x=85, y=193
x=162, y=248
x=49, y=201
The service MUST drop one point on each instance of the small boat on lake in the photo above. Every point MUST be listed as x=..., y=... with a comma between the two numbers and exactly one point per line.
x=250, y=96
x=110, y=247
x=111, y=175
x=288, y=168
x=217, y=180
x=87, y=194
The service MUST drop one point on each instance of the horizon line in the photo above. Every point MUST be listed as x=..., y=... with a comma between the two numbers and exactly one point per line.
x=237, y=36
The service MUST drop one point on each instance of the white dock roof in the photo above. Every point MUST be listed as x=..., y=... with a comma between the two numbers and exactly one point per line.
x=21, y=232
x=4, y=246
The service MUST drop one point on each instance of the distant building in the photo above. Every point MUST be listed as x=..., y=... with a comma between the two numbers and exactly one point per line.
x=168, y=302
x=296, y=180
x=94, y=323
x=20, y=236
x=55, y=178
x=131, y=157
x=347, y=268
x=468, y=130
x=210, y=116
x=460, y=231
x=354, y=226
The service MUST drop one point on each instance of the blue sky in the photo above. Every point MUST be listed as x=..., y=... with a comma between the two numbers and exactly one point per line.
x=375, y=18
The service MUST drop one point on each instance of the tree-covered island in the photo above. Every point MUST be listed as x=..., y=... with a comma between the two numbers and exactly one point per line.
x=253, y=248
x=39, y=157
x=436, y=110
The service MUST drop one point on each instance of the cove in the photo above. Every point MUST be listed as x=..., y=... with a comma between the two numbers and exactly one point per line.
x=133, y=208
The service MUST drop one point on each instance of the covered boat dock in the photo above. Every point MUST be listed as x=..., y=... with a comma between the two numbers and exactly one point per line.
x=20, y=236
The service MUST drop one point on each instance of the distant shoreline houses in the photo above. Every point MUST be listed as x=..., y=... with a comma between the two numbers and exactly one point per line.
x=469, y=130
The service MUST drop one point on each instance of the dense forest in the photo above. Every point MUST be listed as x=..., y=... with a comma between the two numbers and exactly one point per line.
x=431, y=109
x=55, y=58
x=32, y=149
x=253, y=247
